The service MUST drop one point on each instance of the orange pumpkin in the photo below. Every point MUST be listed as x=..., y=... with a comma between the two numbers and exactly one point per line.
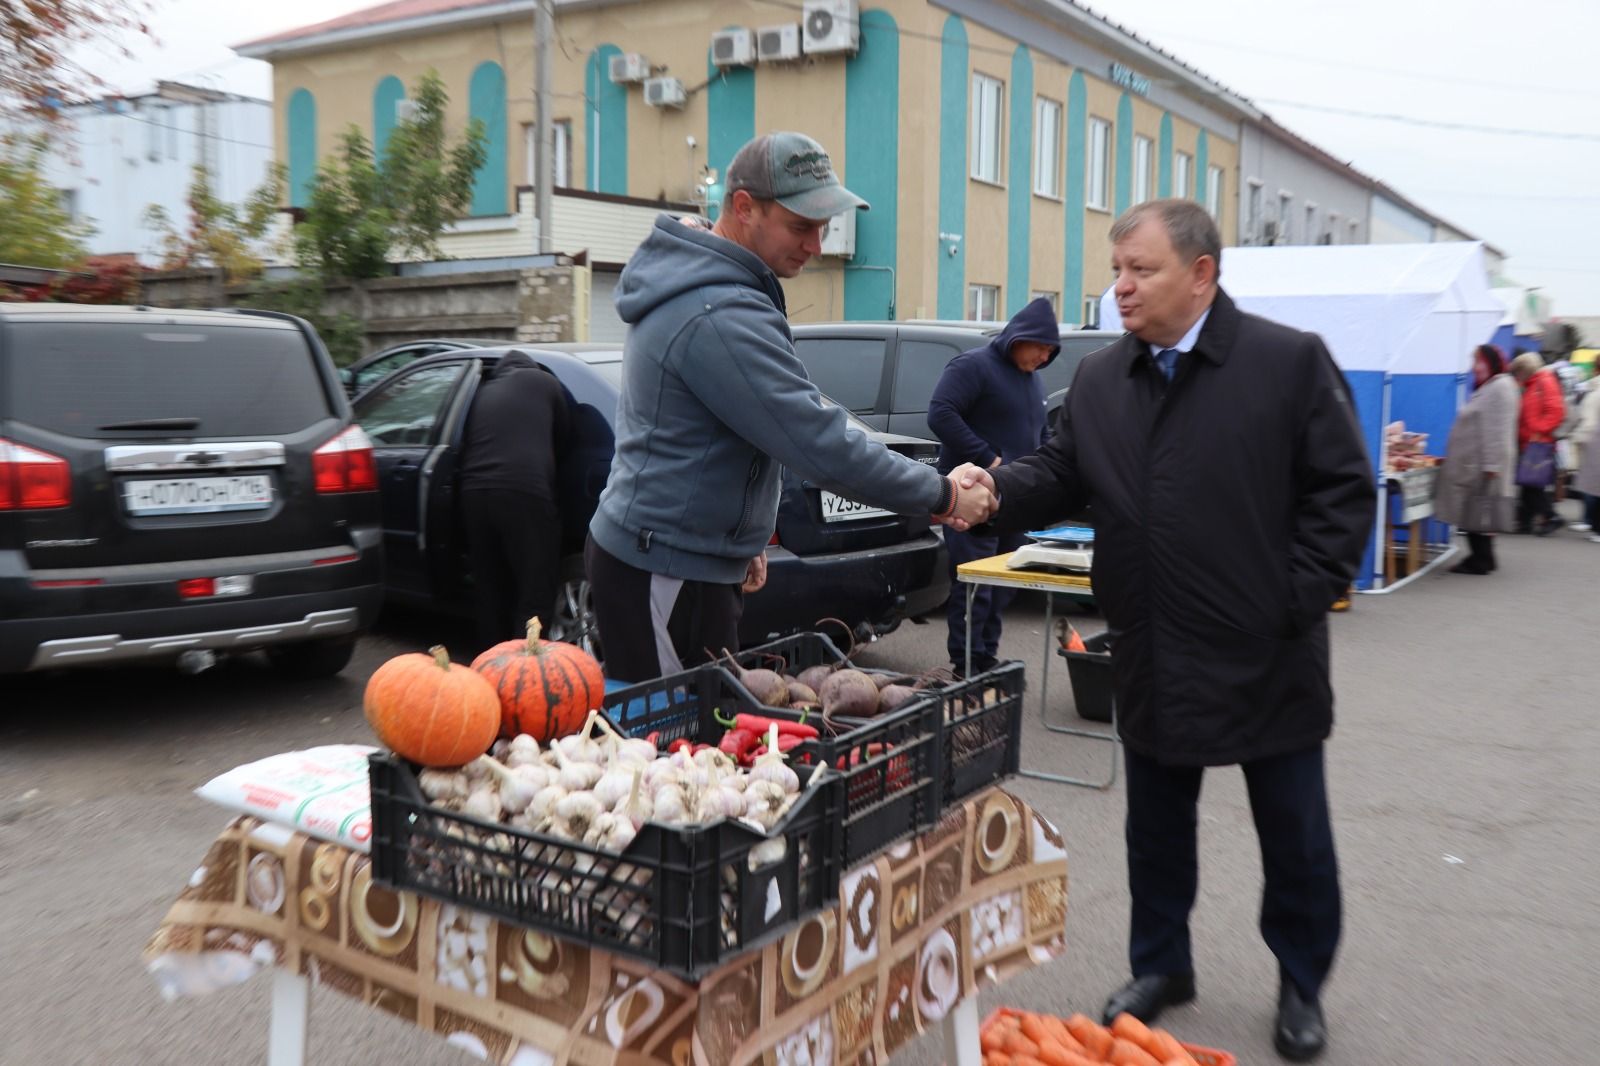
x=546, y=688
x=428, y=710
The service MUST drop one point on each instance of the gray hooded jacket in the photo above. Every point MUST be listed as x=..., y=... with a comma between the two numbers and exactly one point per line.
x=714, y=401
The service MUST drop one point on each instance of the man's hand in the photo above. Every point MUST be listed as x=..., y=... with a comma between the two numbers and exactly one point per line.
x=755, y=575
x=995, y=463
x=975, y=499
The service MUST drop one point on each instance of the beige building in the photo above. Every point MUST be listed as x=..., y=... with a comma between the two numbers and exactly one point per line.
x=995, y=141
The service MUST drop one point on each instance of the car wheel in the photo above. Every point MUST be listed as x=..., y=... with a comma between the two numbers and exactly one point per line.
x=574, y=618
x=312, y=658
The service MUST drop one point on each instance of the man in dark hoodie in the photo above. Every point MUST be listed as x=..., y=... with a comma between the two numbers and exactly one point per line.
x=988, y=409
x=714, y=402
x=514, y=440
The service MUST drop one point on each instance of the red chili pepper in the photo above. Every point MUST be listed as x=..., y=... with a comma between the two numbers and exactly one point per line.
x=678, y=745
x=760, y=725
x=787, y=742
x=654, y=737
x=738, y=742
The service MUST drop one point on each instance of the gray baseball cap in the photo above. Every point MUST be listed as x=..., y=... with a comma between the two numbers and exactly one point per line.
x=794, y=170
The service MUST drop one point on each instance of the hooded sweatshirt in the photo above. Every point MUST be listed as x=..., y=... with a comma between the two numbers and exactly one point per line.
x=518, y=429
x=714, y=402
x=984, y=405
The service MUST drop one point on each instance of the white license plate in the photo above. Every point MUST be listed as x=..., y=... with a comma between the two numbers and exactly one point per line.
x=198, y=495
x=839, y=509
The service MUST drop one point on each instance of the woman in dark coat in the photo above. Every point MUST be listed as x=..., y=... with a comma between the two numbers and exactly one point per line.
x=1476, y=490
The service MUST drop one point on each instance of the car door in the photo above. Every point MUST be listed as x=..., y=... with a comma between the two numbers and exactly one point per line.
x=405, y=418
x=916, y=373
x=849, y=370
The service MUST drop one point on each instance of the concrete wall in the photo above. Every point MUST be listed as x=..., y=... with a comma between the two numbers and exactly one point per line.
x=1280, y=167
x=535, y=304
x=1394, y=224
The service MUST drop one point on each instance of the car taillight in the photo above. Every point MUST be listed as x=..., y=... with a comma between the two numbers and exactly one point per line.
x=345, y=463
x=31, y=479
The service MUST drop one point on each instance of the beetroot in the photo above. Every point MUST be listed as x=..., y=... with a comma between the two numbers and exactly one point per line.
x=850, y=693
x=800, y=694
x=893, y=697
x=812, y=677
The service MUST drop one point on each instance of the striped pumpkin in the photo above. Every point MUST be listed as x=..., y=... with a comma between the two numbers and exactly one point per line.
x=430, y=711
x=546, y=688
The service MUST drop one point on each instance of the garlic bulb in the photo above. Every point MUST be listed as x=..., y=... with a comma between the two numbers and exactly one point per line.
x=576, y=813
x=614, y=784
x=717, y=803
x=771, y=767
x=483, y=803
x=635, y=749
x=610, y=832
x=715, y=760
x=672, y=805
x=443, y=784
x=544, y=802
x=578, y=748
x=765, y=803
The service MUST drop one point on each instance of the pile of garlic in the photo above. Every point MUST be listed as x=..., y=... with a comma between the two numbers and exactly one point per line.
x=599, y=790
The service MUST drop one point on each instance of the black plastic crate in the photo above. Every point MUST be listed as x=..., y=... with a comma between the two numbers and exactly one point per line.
x=889, y=763
x=682, y=899
x=1090, y=673
x=981, y=739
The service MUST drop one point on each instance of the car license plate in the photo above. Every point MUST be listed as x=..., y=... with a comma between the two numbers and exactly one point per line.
x=198, y=495
x=839, y=509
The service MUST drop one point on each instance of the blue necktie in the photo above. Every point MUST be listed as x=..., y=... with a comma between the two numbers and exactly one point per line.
x=1167, y=360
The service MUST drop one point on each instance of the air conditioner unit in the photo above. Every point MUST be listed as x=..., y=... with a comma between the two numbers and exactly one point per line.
x=629, y=67
x=778, y=44
x=406, y=110
x=839, y=239
x=733, y=48
x=831, y=27
x=664, y=92
x=1269, y=233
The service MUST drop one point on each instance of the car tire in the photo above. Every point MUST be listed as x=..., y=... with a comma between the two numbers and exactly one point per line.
x=312, y=658
x=574, y=621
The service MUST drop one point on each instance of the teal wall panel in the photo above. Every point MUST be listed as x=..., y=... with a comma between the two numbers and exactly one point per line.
x=730, y=119
x=953, y=82
x=872, y=165
x=302, y=119
x=486, y=103
x=606, y=140
x=1076, y=193
x=1202, y=162
x=1124, y=164
x=1164, y=157
x=1019, y=190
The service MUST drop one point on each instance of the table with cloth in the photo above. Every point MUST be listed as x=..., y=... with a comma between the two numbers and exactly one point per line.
x=916, y=932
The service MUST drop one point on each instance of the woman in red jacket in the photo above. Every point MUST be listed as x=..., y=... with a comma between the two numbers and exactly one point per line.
x=1542, y=413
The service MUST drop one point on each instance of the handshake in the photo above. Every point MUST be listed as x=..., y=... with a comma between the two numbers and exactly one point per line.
x=974, y=500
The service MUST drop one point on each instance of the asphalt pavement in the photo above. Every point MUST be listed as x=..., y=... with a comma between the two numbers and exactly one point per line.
x=1462, y=774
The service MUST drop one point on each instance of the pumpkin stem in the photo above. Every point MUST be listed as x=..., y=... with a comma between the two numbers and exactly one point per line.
x=533, y=636
x=441, y=657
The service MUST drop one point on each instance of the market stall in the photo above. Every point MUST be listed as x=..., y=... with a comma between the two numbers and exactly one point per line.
x=1401, y=320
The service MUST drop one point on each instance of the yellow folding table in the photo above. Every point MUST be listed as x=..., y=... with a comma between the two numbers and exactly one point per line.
x=1076, y=587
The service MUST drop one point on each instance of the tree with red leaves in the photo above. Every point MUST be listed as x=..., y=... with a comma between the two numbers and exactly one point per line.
x=40, y=38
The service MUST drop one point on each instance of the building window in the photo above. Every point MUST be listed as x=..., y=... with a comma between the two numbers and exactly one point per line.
x=486, y=102
x=1355, y=232
x=1053, y=297
x=988, y=113
x=1091, y=312
x=302, y=123
x=68, y=202
x=1144, y=156
x=1183, y=175
x=1047, y=147
x=1311, y=224
x=561, y=133
x=1285, y=218
x=1214, y=192
x=1099, y=190
x=1333, y=227
x=1252, y=212
x=983, y=303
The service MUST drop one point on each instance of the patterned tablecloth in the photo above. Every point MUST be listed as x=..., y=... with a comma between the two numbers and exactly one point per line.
x=917, y=929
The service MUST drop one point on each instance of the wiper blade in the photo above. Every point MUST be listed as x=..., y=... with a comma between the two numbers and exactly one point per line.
x=155, y=423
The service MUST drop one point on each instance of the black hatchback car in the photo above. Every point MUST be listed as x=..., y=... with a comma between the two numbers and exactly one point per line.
x=176, y=485
x=830, y=557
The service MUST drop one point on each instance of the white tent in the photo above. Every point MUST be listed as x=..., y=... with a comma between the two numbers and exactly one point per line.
x=1400, y=319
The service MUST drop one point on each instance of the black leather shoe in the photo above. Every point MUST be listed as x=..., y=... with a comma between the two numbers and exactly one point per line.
x=1299, y=1033
x=1146, y=997
x=1470, y=566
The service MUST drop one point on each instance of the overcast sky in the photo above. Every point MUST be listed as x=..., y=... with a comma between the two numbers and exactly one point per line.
x=1522, y=74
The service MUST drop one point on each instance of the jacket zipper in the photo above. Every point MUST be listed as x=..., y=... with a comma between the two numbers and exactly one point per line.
x=749, y=484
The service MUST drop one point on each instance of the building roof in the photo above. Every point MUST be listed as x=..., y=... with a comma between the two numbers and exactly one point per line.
x=377, y=15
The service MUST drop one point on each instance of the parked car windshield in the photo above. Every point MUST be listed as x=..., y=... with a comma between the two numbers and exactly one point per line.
x=106, y=379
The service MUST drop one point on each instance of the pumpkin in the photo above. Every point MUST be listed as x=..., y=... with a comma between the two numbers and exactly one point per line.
x=428, y=710
x=546, y=688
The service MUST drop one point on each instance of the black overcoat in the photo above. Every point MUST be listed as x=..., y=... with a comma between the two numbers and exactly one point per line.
x=1231, y=509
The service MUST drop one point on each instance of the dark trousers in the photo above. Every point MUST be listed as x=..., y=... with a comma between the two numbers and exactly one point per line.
x=514, y=549
x=652, y=625
x=988, y=606
x=1482, y=546
x=1534, y=506
x=1591, y=508
x=1300, y=908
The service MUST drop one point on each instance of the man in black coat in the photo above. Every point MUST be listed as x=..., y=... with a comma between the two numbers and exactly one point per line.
x=1232, y=500
x=518, y=430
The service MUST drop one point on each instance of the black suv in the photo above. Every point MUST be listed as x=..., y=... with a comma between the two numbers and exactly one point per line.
x=884, y=372
x=830, y=557
x=176, y=485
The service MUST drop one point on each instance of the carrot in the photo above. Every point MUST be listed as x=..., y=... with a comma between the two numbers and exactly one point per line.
x=1096, y=1039
x=1165, y=1047
x=993, y=1038
x=1054, y=1054
x=1132, y=1030
x=1019, y=1045
x=1026, y=1060
x=1034, y=1028
x=996, y=1058
x=1127, y=1053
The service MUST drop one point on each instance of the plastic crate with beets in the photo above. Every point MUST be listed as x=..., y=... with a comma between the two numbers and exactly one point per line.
x=683, y=899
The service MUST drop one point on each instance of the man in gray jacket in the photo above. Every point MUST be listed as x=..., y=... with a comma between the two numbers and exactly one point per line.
x=714, y=402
